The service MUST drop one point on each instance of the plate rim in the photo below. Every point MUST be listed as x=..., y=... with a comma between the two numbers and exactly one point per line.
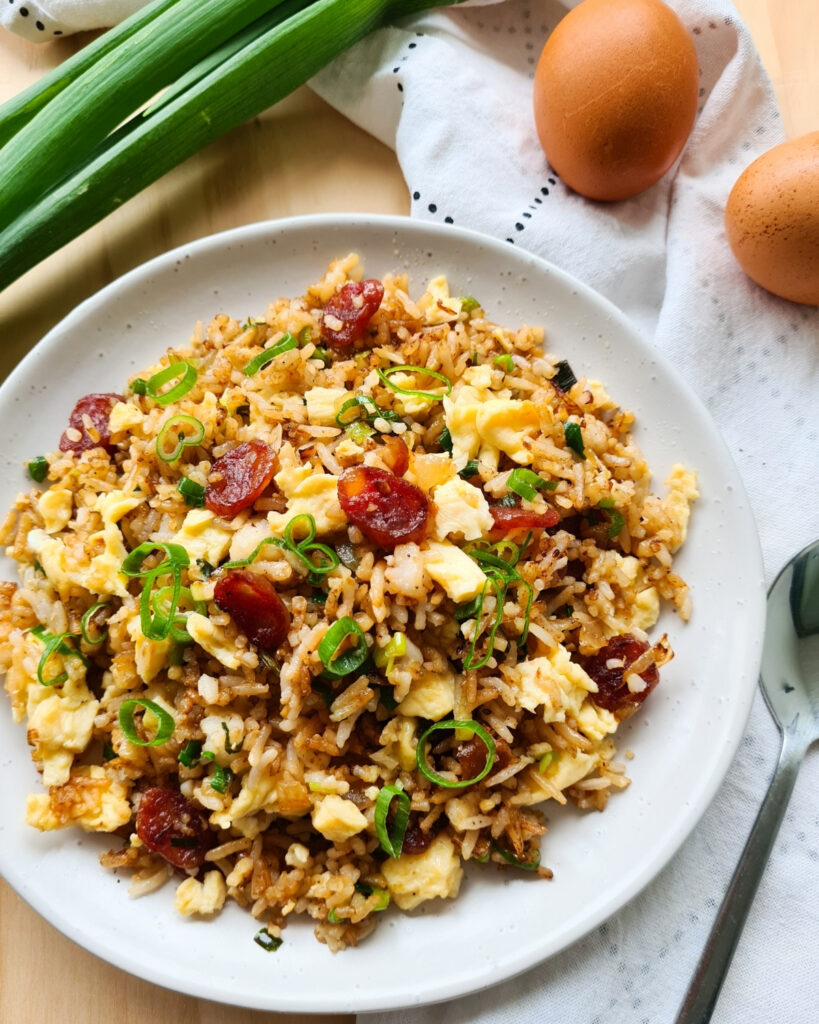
x=442, y=991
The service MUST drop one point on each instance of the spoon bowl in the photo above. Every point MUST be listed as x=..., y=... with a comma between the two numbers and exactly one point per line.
x=789, y=679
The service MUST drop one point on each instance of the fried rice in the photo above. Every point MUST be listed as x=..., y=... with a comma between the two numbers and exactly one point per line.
x=295, y=751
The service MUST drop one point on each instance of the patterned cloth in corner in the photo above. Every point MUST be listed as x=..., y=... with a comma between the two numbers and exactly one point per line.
x=39, y=22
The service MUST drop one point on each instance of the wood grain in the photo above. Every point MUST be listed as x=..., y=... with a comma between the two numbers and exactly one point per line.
x=299, y=157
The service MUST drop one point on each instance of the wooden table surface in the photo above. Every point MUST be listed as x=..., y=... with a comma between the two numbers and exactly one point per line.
x=44, y=976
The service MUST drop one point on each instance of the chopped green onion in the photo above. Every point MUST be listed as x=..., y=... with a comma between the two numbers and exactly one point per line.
x=182, y=431
x=574, y=439
x=164, y=722
x=385, y=696
x=157, y=626
x=504, y=362
x=510, y=858
x=445, y=440
x=350, y=659
x=177, y=557
x=192, y=492
x=38, y=469
x=55, y=644
x=564, y=377
x=484, y=859
x=616, y=518
x=370, y=890
x=221, y=778
x=268, y=942
x=391, y=840
x=467, y=726
x=384, y=657
x=469, y=470
x=301, y=549
x=85, y=625
x=205, y=568
x=333, y=917
x=385, y=375
x=324, y=692
x=253, y=323
x=318, y=596
x=470, y=610
x=190, y=753
x=568, y=610
x=527, y=483
x=468, y=304
x=161, y=603
x=359, y=431
x=507, y=501
x=267, y=355
x=363, y=408
x=187, y=378
x=229, y=747
x=548, y=758
x=108, y=752
x=208, y=755
x=321, y=353
x=305, y=335
x=139, y=386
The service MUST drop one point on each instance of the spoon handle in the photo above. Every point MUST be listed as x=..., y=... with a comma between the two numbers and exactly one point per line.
x=725, y=932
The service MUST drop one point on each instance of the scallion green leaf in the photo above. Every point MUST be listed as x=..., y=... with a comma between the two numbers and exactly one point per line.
x=433, y=396
x=230, y=748
x=527, y=483
x=190, y=753
x=269, y=943
x=267, y=355
x=85, y=625
x=164, y=722
x=445, y=440
x=391, y=838
x=467, y=726
x=139, y=386
x=574, y=439
x=55, y=643
x=469, y=470
x=469, y=304
x=179, y=432
x=616, y=518
x=221, y=778
x=108, y=752
x=504, y=362
x=350, y=658
x=38, y=469
x=192, y=492
x=510, y=858
x=564, y=377
x=186, y=375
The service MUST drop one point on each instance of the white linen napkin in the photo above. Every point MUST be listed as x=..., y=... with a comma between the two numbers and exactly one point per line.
x=450, y=91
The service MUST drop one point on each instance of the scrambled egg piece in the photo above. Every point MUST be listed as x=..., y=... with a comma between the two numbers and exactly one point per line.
x=124, y=416
x=430, y=470
x=461, y=578
x=432, y=696
x=436, y=304
x=90, y=798
x=212, y=639
x=484, y=426
x=205, y=897
x=55, y=507
x=337, y=819
x=203, y=537
x=461, y=510
x=647, y=601
x=63, y=727
x=567, y=770
x=310, y=493
x=414, y=878
x=553, y=682
x=323, y=405
x=151, y=656
x=101, y=575
x=668, y=517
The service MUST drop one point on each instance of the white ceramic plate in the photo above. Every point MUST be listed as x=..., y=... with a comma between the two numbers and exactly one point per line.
x=502, y=923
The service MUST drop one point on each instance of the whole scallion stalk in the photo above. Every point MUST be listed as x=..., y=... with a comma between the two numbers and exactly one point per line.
x=60, y=135
x=285, y=49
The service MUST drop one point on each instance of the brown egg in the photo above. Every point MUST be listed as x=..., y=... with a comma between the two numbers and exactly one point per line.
x=772, y=220
x=615, y=96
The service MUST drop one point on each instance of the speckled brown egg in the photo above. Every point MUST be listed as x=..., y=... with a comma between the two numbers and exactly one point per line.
x=772, y=220
x=615, y=96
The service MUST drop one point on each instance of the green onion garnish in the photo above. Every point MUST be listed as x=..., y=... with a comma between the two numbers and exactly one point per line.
x=268, y=942
x=205, y=568
x=351, y=658
x=108, y=752
x=472, y=727
x=469, y=610
x=187, y=378
x=468, y=303
x=384, y=657
x=370, y=890
x=221, y=778
x=333, y=917
x=564, y=376
x=469, y=470
x=574, y=439
x=385, y=375
x=548, y=758
x=85, y=625
x=55, y=643
x=391, y=840
x=267, y=355
x=253, y=323
x=321, y=353
x=510, y=858
x=229, y=747
x=178, y=432
x=527, y=483
x=139, y=386
x=192, y=492
x=501, y=574
x=164, y=722
x=161, y=600
x=38, y=469
x=385, y=696
x=190, y=753
x=157, y=626
x=616, y=519
x=445, y=440
x=362, y=408
x=305, y=335
x=504, y=362
x=359, y=431
x=302, y=549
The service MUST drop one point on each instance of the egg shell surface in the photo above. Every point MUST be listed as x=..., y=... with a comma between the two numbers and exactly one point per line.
x=615, y=96
x=772, y=220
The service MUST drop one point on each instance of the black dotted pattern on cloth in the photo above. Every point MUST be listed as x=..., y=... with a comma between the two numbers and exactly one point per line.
x=24, y=13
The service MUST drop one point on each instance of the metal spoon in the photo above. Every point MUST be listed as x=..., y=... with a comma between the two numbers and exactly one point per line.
x=792, y=630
